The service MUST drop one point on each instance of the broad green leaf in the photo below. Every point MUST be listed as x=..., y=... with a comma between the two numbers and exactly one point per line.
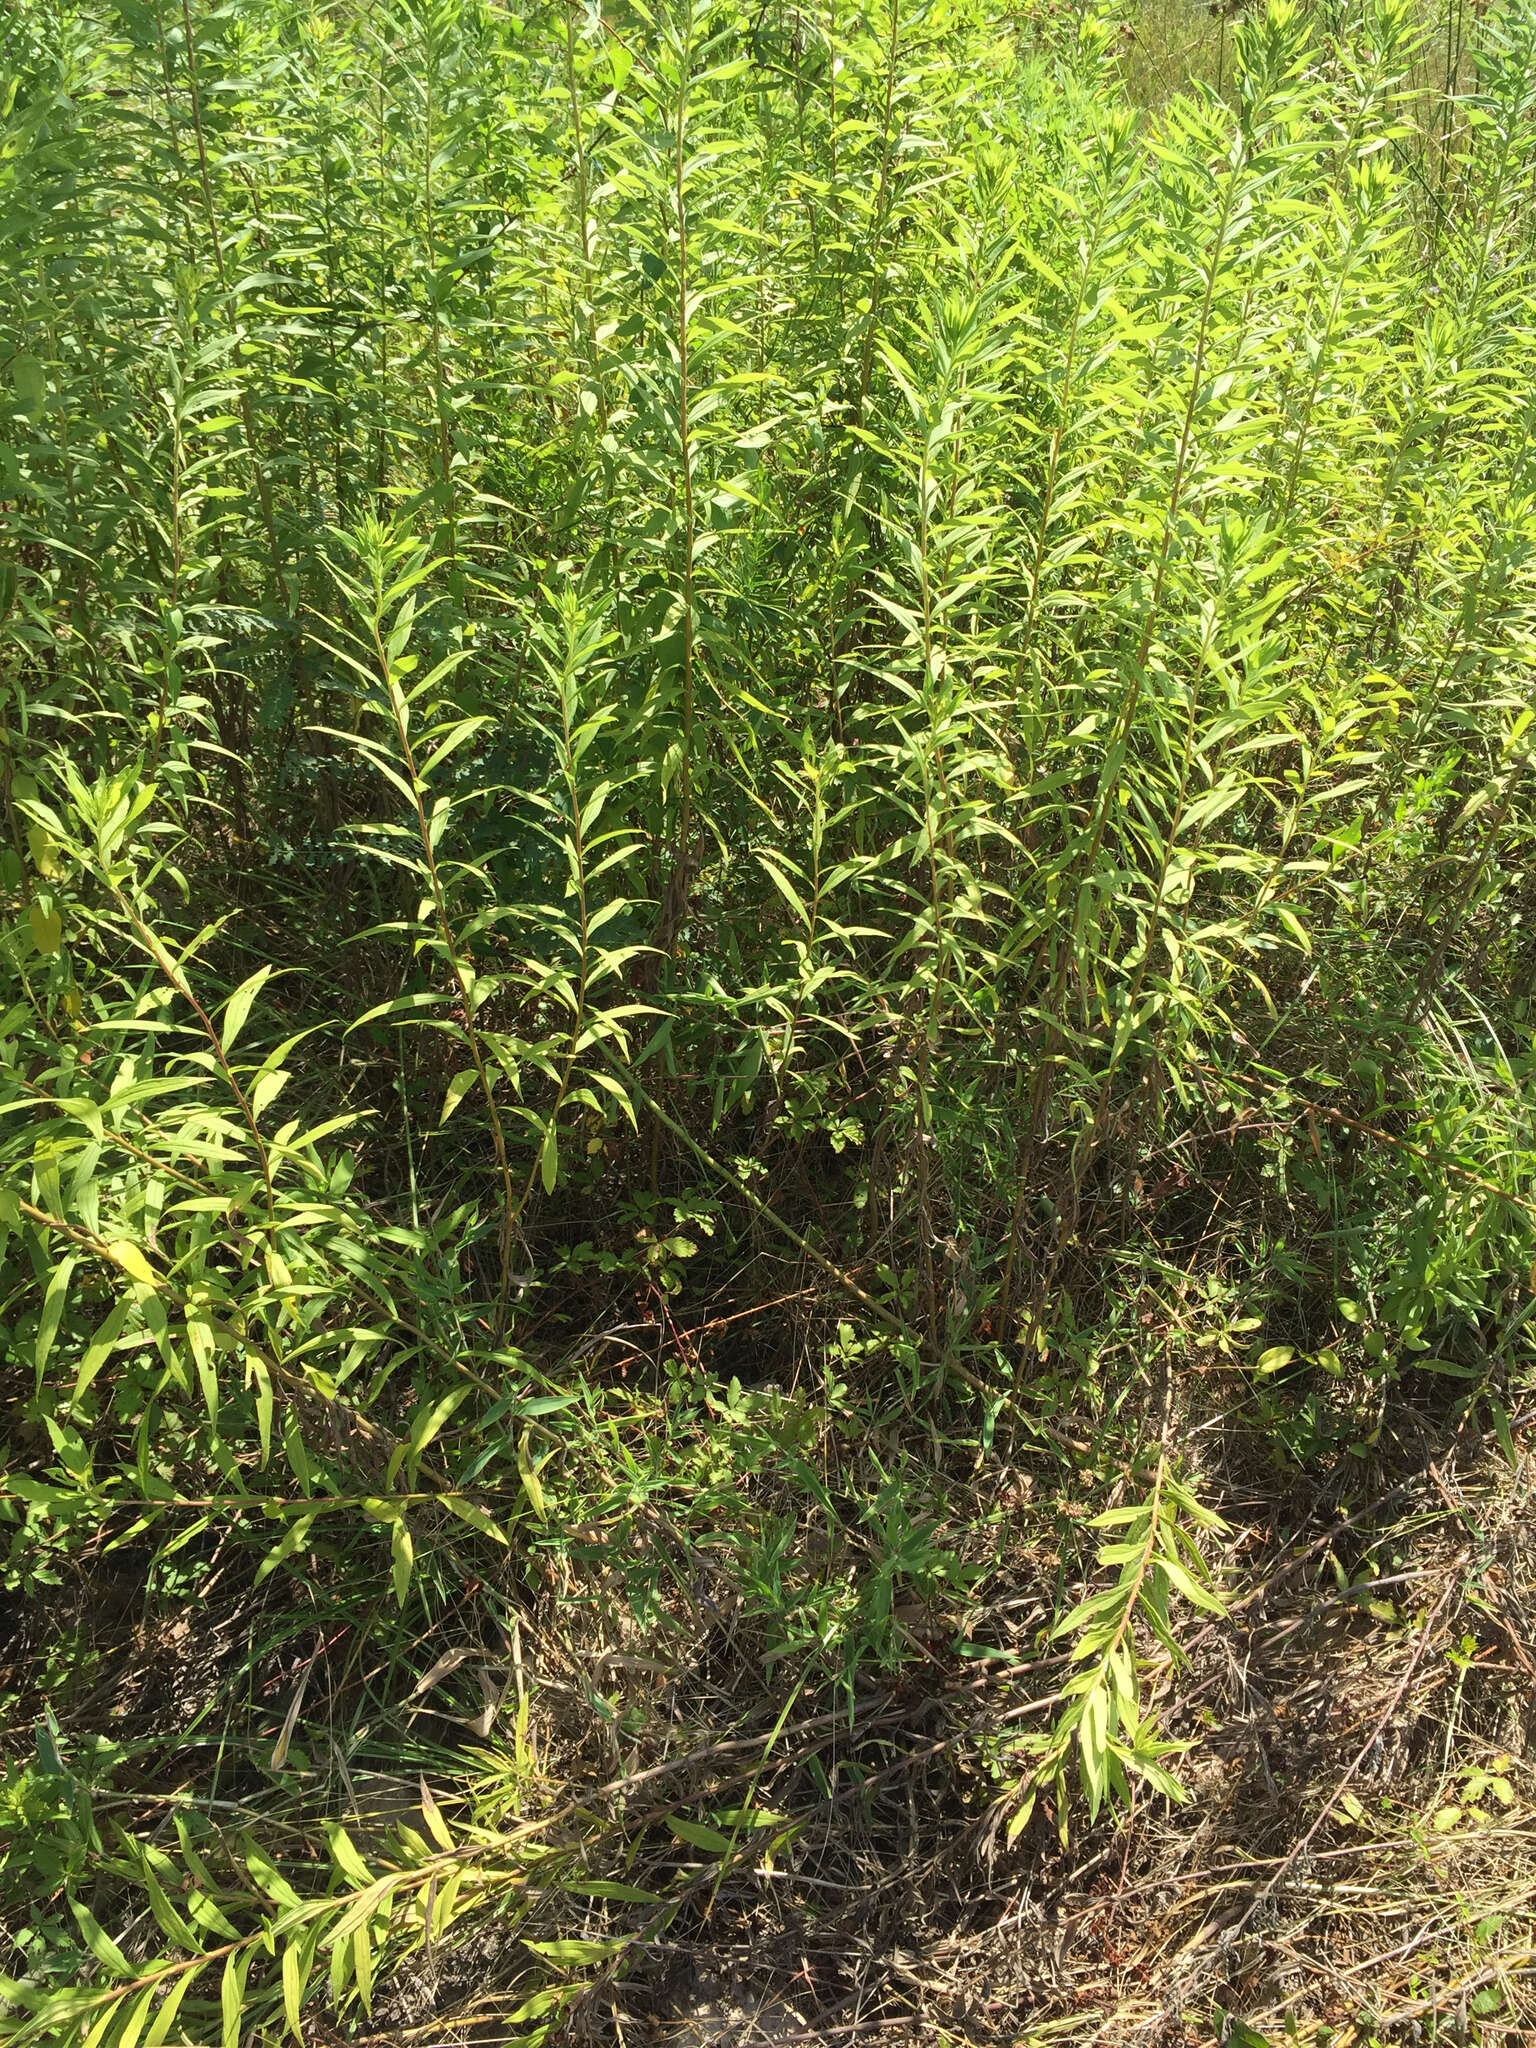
x=1185, y=1582
x=265, y=1874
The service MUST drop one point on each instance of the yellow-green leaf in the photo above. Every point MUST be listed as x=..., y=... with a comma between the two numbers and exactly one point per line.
x=528, y=1473
x=432, y=1814
x=362, y=1967
x=293, y=1987
x=47, y=929
x=44, y=851
x=127, y=1255
x=476, y=1517
x=403, y=1555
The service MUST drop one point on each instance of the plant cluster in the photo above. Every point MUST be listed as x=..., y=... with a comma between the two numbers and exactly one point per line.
x=751, y=759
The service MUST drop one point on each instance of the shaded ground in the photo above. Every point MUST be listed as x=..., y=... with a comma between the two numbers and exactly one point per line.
x=1358, y=1854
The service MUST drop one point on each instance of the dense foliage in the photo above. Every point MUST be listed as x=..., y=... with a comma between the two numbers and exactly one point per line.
x=757, y=765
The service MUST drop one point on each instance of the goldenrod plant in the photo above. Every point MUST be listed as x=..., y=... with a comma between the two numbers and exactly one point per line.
x=766, y=838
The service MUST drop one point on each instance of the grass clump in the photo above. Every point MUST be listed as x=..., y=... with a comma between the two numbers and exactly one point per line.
x=766, y=1189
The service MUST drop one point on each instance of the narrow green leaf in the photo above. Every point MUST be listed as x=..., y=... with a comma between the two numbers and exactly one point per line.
x=577, y=1952
x=100, y=1943
x=698, y=1836
x=605, y=1888
x=238, y=1008
x=53, y=1308
x=528, y=1473
x=232, y=1997
x=458, y=1088
x=170, y=2005
x=294, y=1975
x=100, y=1347
x=476, y=1517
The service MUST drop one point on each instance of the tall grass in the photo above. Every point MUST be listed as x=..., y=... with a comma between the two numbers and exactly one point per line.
x=659, y=661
